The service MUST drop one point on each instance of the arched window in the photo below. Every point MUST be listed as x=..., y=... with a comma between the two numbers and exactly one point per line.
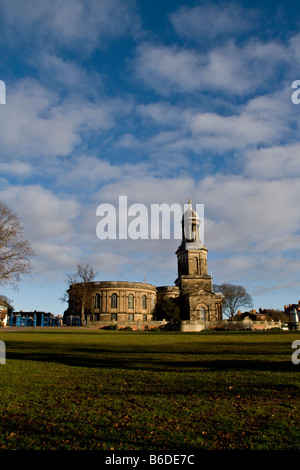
x=130, y=301
x=202, y=314
x=114, y=301
x=97, y=301
x=144, y=302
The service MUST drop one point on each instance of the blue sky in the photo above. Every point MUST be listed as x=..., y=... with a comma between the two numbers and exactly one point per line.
x=159, y=101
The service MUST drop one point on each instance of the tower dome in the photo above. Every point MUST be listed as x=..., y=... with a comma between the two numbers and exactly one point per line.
x=190, y=226
x=190, y=214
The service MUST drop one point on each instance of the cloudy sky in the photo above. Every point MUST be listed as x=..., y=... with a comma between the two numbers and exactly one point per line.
x=159, y=101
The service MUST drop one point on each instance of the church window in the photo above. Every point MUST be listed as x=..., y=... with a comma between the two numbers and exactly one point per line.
x=130, y=301
x=144, y=302
x=202, y=314
x=97, y=301
x=114, y=301
x=114, y=317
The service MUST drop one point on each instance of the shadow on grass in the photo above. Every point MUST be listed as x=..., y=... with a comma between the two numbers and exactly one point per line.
x=132, y=358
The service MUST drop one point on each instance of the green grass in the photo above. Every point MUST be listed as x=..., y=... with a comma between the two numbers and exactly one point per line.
x=88, y=390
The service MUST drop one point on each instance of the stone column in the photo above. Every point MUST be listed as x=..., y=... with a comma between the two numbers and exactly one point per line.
x=121, y=309
x=103, y=306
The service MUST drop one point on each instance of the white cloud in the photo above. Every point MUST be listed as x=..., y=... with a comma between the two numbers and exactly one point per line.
x=52, y=226
x=252, y=231
x=86, y=24
x=81, y=172
x=175, y=130
x=45, y=216
x=67, y=75
x=54, y=260
x=232, y=132
x=35, y=122
x=237, y=69
x=274, y=162
x=166, y=69
x=16, y=168
x=248, y=215
x=129, y=141
x=147, y=189
x=163, y=114
x=213, y=20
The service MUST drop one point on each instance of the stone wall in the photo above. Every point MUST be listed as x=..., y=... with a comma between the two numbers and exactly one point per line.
x=229, y=325
x=134, y=325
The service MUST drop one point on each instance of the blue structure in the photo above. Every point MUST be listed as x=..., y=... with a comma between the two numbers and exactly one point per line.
x=23, y=321
x=51, y=321
x=41, y=320
x=73, y=320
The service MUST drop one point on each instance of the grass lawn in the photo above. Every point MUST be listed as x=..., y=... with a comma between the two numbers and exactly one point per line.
x=66, y=389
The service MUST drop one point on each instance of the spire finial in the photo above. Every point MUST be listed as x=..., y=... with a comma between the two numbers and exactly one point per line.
x=190, y=201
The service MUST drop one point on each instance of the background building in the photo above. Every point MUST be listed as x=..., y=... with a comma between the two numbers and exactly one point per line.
x=120, y=302
x=115, y=301
x=3, y=313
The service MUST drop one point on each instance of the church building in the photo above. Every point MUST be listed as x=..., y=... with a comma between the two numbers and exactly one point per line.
x=133, y=303
x=199, y=302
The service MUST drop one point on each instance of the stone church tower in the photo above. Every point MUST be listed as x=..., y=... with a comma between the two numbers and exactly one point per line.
x=198, y=301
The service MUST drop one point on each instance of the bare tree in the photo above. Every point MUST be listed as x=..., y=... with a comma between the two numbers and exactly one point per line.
x=15, y=251
x=235, y=297
x=81, y=281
